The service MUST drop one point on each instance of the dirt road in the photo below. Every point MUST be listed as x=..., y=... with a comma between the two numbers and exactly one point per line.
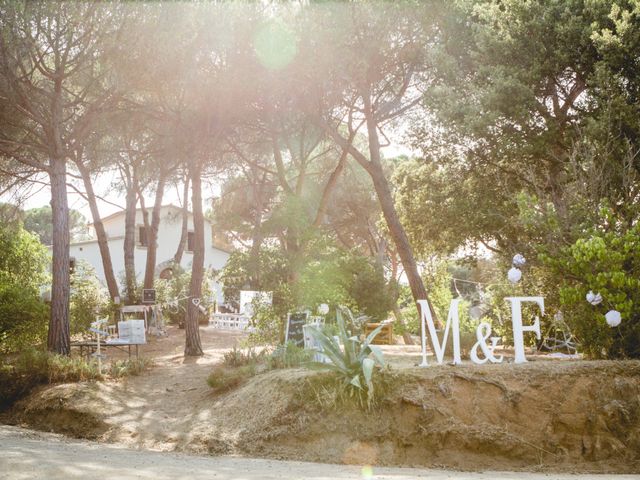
x=26, y=454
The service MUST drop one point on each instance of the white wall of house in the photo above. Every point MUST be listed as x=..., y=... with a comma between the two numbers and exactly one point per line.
x=169, y=234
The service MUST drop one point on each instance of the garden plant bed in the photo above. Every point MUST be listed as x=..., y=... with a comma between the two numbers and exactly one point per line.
x=574, y=416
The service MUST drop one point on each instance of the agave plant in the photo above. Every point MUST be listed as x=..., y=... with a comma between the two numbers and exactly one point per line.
x=354, y=360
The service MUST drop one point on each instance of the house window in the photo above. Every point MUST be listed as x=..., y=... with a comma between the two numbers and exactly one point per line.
x=190, y=241
x=143, y=238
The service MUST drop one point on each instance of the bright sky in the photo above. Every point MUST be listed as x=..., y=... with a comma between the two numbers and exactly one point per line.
x=37, y=195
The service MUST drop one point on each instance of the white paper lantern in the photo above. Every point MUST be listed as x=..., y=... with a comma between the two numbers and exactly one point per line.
x=514, y=275
x=594, y=298
x=323, y=309
x=613, y=318
x=518, y=260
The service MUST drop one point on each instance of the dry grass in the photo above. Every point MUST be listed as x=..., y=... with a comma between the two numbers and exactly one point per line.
x=31, y=368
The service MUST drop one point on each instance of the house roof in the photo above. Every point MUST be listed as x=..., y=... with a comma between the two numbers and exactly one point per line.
x=122, y=212
x=215, y=244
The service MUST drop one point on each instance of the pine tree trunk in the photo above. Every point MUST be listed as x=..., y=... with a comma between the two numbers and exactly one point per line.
x=103, y=243
x=177, y=258
x=398, y=234
x=152, y=235
x=131, y=281
x=193, y=346
x=58, y=339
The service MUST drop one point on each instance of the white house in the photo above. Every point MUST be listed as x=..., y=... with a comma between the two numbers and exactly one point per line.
x=169, y=233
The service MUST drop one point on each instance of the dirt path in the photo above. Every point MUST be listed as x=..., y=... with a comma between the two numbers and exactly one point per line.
x=27, y=454
x=156, y=410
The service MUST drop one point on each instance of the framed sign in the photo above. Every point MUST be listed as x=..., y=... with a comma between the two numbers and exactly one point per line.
x=294, y=332
x=149, y=295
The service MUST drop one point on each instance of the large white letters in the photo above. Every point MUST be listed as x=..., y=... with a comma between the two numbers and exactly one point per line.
x=518, y=328
x=483, y=333
x=452, y=323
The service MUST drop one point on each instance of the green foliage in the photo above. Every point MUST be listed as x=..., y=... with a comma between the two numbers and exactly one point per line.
x=177, y=287
x=89, y=298
x=127, y=368
x=289, y=355
x=606, y=262
x=351, y=361
x=367, y=287
x=223, y=379
x=167, y=290
x=267, y=323
x=537, y=108
x=38, y=221
x=238, y=358
x=23, y=271
x=437, y=277
x=327, y=391
x=240, y=365
x=331, y=275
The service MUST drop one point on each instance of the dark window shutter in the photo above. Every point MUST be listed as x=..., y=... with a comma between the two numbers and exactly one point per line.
x=143, y=237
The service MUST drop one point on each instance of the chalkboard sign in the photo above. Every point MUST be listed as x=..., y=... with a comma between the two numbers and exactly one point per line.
x=149, y=295
x=295, y=333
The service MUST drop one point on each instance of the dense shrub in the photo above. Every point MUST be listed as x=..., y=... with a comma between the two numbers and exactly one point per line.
x=88, y=298
x=223, y=379
x=606, y=262
x=329, y=275
x=23, y=271
x=172, y=294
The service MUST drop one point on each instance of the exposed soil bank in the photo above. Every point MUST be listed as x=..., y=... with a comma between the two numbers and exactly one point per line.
x=28, y=454
x=562, y=416
x=568, y=416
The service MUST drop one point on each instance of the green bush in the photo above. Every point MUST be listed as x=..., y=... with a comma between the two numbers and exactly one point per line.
x=289, y=355
x=23, y=272
x=172, y=294
x=606, y=262
x=223, y=379
x=238, y=358
x=128, y=368
x=267, y=323
x=88, y=298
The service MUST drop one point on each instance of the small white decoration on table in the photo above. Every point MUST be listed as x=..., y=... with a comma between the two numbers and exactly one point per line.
x=323, y=309
x=514, y=275
x=594, y=298
x=613, y=318
x=518, y=260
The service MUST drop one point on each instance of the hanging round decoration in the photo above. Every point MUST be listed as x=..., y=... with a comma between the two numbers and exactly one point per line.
x=518, y=260
x=593, y=298
x=613, y=318
x=514, y=275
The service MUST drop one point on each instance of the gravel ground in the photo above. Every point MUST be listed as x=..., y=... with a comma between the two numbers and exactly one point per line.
x=26, y=454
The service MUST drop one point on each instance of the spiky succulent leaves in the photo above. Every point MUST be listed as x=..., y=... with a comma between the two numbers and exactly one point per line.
x=367, y=371
x=377, y=354
x=330, y=348
x=352, y=361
